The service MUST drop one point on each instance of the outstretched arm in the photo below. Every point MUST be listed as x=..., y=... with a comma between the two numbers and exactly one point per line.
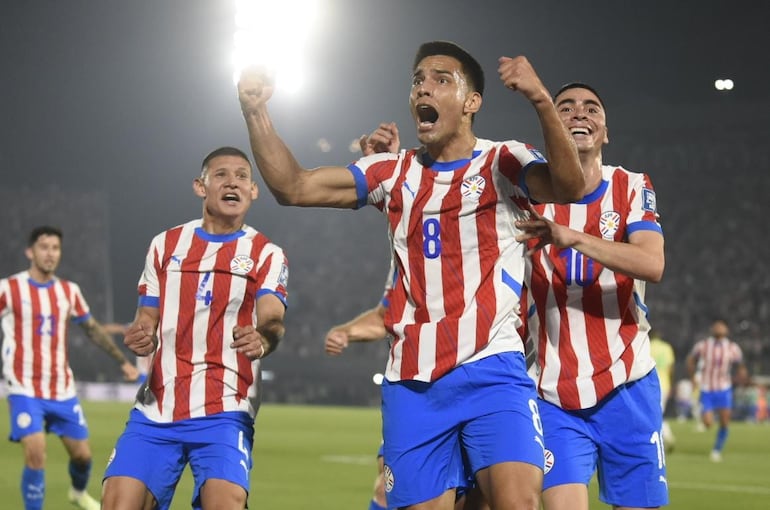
x=561, y=180
x=366, y=327
x=102, y=338
x=290, y=183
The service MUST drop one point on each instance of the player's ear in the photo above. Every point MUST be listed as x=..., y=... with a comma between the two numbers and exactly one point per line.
x=254, y=190
x=198, y=187
x=472, y=102
x=28, y=253
x=606, y=135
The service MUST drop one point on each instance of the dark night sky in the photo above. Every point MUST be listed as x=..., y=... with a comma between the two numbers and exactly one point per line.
x=127, y=97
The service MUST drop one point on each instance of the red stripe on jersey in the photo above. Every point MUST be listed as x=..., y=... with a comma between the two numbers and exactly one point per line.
x=452, y=285
x=38, y=323
x=215, y=338
x=593, y=307
x=18, y=358
x=56, y=316
x=510, y=166
x=190, y=281
x=489, y=250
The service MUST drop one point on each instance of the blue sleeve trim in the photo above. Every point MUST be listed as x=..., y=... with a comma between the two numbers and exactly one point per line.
x=643, y=225
x=81, y=319
x=149, y=301
x=362, y=190
x=264, y=292
x=512, y=283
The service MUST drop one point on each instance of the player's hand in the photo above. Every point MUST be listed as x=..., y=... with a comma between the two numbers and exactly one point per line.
x=140, y=338
x=383, y=139
x=519, y=75
x=336, y=342
x=130, y=372
x=250, y=342
x=546, y=231
x=255, y=88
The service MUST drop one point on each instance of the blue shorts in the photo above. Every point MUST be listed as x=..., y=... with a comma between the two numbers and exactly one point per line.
x=710, y=400
x=30, y=415
x=216, y=446
x=620, y=438
x=439, y=434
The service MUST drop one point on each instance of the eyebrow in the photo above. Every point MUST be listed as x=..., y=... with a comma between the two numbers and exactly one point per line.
x=587, y=101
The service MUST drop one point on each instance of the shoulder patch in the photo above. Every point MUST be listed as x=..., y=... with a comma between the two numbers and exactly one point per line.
x=649, y=203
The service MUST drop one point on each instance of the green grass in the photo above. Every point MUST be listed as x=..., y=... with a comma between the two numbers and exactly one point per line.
x=323, y=458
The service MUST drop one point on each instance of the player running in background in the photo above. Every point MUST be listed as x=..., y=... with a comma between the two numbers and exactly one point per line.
x=717, y=356
x=665, y=360
x=35, y=307
x=212, y=299
x=586, y=276
x=456, y=365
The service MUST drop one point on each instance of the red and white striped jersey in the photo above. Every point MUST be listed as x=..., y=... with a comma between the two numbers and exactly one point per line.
x=459, y=267
x=204, y=286
x=716, y=358
x=34, y=317
x=591, y=322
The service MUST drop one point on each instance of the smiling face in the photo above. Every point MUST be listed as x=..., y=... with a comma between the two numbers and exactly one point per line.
x=441, y=100
x=226, y=188
x=582, y=113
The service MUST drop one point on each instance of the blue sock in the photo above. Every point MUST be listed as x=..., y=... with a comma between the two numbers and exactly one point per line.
x=721, y=438
x=374, y=506
x=33, y=488
x=80, y=473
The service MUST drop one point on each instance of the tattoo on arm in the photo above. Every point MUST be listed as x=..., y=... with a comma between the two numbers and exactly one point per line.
x=100, y=337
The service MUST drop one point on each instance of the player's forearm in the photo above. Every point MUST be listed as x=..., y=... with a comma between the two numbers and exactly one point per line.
x=100, y=337
x=367, y=327
x=645, y=264
x=272, y=331
x=275, y=162
x=566, y=174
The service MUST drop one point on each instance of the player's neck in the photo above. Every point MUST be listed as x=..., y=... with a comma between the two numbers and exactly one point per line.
x=40, y=276
x=221, y=226
x=459, y=146
x=592, y=170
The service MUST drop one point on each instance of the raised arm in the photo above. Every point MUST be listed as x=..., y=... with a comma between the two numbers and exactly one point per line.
x=366, y=327
x=102, y=338
x=561, y=180
x=289, y=182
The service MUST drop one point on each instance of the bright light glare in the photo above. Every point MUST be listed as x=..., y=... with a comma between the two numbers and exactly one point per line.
x=726, y=84
x=273, y=33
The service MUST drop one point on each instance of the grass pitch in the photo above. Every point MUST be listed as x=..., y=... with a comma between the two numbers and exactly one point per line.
x=323, y=458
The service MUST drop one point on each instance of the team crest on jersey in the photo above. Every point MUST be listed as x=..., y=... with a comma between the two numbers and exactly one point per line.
x=389, y=479
x=241, y=264
x=472, y=187
x=649, y=202
x=549, y=460
x=23, y=420
x=609, y=223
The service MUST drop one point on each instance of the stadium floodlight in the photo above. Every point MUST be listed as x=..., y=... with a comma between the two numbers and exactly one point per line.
x=724, y=84
x=273, y=33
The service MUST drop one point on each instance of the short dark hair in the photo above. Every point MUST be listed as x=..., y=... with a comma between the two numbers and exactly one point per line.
x=43, y=230
x=470, y=66
x=578, y=85
x=223, y=151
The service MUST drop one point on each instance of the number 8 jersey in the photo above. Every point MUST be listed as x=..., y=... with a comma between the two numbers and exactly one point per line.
x=459, y=266
x=590, y=322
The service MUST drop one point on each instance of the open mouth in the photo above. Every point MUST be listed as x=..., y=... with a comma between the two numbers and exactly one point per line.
x=579, y=131
x=231, y=197
x=426, y=115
